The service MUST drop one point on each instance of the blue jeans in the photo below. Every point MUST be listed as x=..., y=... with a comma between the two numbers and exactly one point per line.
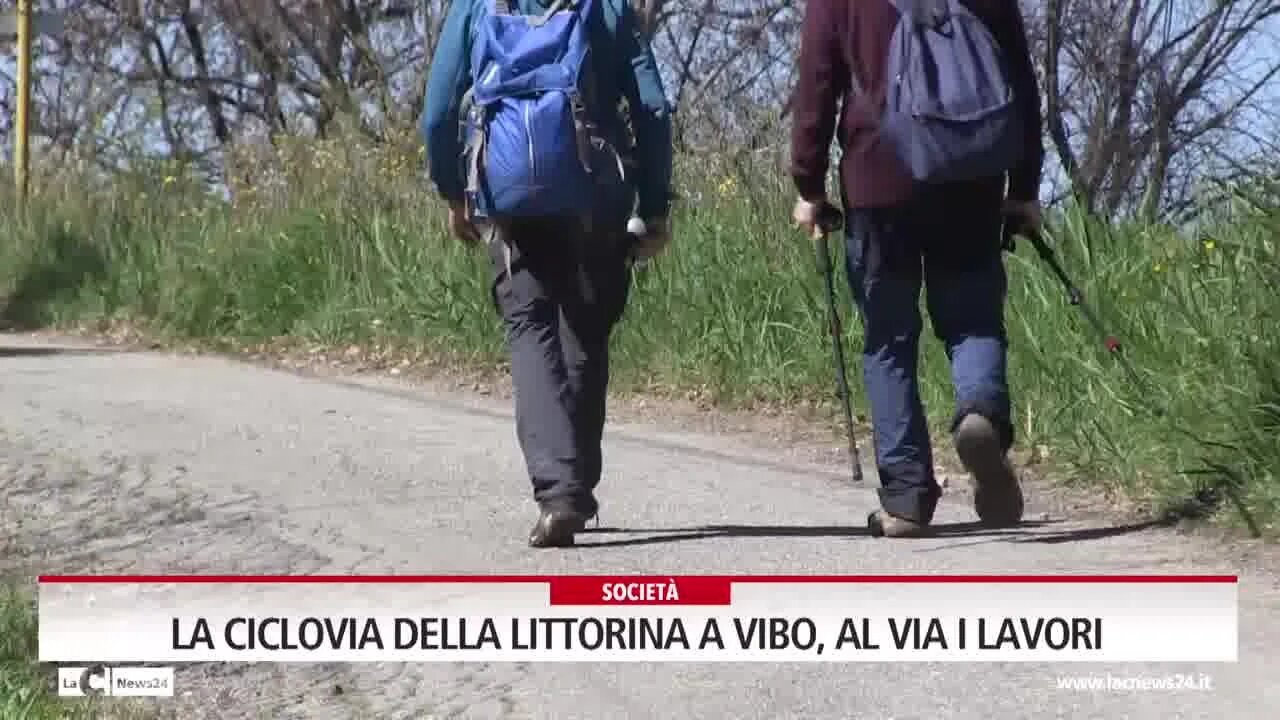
x=951, y=243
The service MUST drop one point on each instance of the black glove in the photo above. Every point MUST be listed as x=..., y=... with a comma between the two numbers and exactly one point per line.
x=1014, y=224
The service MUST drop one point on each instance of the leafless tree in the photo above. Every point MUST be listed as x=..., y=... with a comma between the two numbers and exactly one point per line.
x=1144, y=98
x=1141, y=94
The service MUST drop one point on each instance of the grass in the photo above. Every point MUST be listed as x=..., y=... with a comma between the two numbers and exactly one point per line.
x=26, y=686
x=25, y=690
x=336, y=243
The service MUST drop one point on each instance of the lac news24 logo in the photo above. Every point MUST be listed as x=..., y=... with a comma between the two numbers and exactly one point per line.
x=100, y=680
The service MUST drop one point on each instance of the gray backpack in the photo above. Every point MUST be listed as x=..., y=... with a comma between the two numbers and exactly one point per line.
x=950, y=111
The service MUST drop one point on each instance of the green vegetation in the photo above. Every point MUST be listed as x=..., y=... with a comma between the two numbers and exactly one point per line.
x=26, y=687
x=25, y=691
x=342, y=244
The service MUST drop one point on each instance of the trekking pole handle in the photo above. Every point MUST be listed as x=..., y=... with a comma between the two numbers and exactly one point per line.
x=829, y=220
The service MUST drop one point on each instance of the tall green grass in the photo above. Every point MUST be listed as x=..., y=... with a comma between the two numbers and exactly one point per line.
x=342, y=244
x=25, y=692
x=27, y=687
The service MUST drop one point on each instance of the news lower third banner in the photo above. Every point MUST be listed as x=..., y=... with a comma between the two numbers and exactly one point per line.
x=639, y=619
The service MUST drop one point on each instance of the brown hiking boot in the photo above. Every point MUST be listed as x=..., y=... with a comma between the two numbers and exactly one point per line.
x=882, y=524
x=556, y=528
x=997, y=496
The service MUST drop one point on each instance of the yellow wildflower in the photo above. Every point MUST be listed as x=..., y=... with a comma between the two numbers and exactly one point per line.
x=1209, y=244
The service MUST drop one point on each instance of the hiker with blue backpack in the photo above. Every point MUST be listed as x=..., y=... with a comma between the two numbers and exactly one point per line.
x=526, y=142
x=940, y=128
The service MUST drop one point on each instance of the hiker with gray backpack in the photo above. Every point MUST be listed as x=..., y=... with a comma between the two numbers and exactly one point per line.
x=526, y=142
x=939, y=122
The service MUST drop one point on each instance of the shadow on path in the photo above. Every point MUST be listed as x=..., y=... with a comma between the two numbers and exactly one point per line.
x=703, y=532
x=1094, y=533
x=21, y=352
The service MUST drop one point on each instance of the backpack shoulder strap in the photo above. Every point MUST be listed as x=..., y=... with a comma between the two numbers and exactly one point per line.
x=609, y=14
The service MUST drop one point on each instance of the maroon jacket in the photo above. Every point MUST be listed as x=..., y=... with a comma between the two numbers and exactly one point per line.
x=843, y=36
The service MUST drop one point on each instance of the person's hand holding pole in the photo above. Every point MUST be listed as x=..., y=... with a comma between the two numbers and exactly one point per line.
x=808, y=216
x=817, y=219
x=1026, y=215
x=1021, y=218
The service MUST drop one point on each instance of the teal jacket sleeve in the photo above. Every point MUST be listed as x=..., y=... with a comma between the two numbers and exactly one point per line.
x=642, y=85
x=447, y=81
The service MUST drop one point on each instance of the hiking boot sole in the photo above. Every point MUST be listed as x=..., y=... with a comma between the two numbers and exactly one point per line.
x=997, y=496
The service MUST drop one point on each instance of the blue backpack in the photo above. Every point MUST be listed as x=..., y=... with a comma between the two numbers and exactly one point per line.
x=530, y=146
x=950, y=111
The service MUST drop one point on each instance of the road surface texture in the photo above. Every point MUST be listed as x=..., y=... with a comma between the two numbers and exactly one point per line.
x=146, y=462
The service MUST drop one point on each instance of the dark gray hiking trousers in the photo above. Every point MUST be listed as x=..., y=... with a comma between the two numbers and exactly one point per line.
x=566, y=291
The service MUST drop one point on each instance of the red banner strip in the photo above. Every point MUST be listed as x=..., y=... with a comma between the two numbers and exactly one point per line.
x=640, y=590
x=709, y=580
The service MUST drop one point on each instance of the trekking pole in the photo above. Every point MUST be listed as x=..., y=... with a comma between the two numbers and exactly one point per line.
x=831, y=220
x=1229, y=483
x=1076, y=297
